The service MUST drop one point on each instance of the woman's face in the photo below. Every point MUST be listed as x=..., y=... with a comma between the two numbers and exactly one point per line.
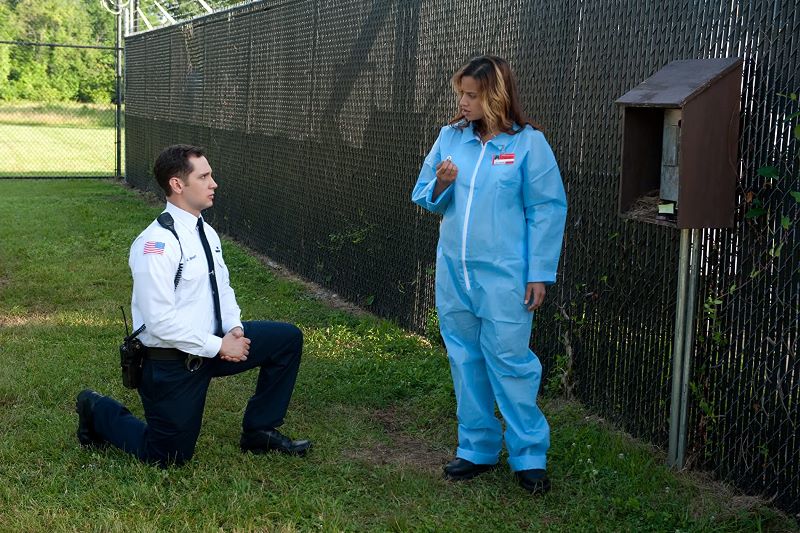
x=470, y=102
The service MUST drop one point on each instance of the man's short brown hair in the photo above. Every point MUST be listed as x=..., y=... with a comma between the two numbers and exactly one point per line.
x=174, y=161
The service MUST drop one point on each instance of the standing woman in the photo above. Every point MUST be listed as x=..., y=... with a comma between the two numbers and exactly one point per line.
x=493, y=177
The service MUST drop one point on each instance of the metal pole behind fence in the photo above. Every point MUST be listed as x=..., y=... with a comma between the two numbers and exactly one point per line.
x=688, y=346
x=118, y=117
x=677, y=349
x=683, y=346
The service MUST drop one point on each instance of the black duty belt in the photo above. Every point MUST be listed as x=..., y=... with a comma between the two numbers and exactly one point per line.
x=191, y=362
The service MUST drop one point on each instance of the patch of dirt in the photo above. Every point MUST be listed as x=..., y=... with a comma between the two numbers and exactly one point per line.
x=400, y=448
x=734, y=503
x=8, y=400
x=30, y=319
x=317, y=291
x=149, y=197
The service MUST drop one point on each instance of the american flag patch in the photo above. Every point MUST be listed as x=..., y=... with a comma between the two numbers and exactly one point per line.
x=153, y=247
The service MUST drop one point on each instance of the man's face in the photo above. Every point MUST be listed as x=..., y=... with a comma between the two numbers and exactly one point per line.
x=196, y=192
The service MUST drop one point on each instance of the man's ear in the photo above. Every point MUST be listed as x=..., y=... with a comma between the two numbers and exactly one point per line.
x=176, y=184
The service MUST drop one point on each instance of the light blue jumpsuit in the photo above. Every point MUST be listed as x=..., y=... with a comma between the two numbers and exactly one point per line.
x=502, y=227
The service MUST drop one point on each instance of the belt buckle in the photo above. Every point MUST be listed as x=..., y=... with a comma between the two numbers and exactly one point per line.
x=193, y=362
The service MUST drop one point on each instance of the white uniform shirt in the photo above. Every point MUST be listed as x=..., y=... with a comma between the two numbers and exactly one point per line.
x=181, y=318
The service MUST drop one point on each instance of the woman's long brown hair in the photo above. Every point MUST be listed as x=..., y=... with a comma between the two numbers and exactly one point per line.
x=499, y=95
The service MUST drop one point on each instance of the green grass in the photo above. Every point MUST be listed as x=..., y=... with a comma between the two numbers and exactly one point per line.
x=58, y=140
x=58, y=115
x=376, y=400
x=29, y=151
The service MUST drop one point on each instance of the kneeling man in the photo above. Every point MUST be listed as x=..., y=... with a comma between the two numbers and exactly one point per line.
x=193, y=332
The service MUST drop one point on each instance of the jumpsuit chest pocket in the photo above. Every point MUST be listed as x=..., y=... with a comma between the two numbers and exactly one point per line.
x=507, y=176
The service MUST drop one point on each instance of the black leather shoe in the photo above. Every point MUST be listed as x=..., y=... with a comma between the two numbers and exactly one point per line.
x=534, y=480
x=460, y=469
x=266, y=440
x=84, y=407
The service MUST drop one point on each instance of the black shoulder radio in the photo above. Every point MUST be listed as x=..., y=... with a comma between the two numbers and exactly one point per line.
x=166, y=221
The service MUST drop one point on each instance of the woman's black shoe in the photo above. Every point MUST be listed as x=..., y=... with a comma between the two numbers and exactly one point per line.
x=460, y=469
x=534, y=480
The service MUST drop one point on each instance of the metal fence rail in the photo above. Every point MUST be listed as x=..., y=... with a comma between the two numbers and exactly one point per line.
x=317, y=116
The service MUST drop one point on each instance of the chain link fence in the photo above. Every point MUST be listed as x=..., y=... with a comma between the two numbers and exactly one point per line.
x=58, y=113
x=317, y=116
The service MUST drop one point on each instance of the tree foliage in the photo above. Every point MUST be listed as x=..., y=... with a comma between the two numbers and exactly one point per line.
x=51, y=74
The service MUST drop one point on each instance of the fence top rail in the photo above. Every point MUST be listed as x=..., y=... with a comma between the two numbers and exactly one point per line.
x=241, y=8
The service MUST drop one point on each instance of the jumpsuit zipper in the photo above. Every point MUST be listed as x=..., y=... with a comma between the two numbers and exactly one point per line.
x=466, y=217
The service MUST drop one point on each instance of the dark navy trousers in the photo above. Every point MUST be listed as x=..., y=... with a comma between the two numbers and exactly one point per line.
x=174, y=398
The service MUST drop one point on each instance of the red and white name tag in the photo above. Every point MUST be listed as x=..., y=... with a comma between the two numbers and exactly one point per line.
x=503, y=159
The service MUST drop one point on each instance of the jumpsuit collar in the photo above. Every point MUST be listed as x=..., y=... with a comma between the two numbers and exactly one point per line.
x=468, y=134
x=501, y=139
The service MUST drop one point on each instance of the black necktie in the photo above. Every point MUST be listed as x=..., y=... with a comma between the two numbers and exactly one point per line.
x=212, y=276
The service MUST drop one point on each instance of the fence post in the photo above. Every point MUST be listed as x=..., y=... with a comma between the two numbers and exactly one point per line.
x=682, y=348
x=118, y=116
x=688, y=345
x=677, y=349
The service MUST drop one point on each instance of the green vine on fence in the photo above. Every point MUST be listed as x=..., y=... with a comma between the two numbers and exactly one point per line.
x=774, y=226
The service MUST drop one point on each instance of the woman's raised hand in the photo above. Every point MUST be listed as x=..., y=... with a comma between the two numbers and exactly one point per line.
x=446, y=172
